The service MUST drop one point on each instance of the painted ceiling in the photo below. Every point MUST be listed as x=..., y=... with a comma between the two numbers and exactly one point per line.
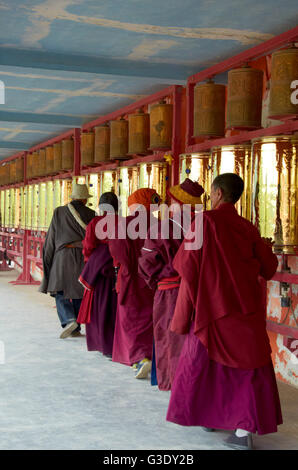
x=65, y=62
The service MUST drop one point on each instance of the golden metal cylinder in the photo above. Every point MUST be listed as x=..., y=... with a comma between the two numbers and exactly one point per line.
x=102, y=144
x=41, y=162
x=197, y=167
x=119, y=140
x=235, y=159
x=284, y=70
x=12, y=172
x=209, y=110
x=67, y=154
x=35, y=165
x=244, y=105
x=161, y=123
x=19, y=170
x=57, y=165
x=275, y=195
x=139, y=133
x=87, y=148
x=49, y=160
x=2, y=175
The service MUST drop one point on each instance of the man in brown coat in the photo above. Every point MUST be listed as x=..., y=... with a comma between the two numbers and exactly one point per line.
x=63, y=259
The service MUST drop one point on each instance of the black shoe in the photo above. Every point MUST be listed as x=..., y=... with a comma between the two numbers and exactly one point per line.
x=239, y=443
x=208, y=429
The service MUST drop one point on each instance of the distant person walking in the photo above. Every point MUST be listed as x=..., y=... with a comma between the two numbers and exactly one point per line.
x=63, y=259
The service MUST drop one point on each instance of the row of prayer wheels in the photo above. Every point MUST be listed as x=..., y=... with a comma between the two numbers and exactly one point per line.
x=122, y=138
x=269, y=168
x=12, y=172
x=243, y=110
x=51, y=160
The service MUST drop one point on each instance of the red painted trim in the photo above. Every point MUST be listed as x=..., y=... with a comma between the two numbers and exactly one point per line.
x=282, y=329
x=54, y=140
x=13, y=157
x=132, y=107
x=286, y=277
x=252, y=53
x=287, y=127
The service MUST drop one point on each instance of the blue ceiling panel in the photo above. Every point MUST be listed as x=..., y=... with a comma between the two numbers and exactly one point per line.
x=74, y=60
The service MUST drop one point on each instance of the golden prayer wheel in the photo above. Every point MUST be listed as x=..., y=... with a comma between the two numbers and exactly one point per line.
x=209, y=110
x=87, y=148
x=102, y=144
x=161, y=123
x=12, y=172
x=7, y=174
x=57, y=165
x=119, y=140
x=235, y=159
x=29, y=166
x=2, y=175
x=139, y=133
x=284, y=70
x=67, y=154
x=275, y=195
x=19, y=170
x=34, y=164
x=49, y=161
x=245, y=92
x=41, y=162
x=197, y=167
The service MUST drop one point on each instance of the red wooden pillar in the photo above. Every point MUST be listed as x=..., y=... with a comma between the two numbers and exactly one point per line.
x=25, y=277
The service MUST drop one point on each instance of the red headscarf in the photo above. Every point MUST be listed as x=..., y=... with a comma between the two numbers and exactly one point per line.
x=144, y=196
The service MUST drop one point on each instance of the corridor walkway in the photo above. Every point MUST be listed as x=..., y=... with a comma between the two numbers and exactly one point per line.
x=54, y=394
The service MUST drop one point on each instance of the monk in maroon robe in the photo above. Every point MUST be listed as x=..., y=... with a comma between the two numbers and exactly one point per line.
x=133, y=332
x=225, y=377
x=98, y=308
x=156, y=267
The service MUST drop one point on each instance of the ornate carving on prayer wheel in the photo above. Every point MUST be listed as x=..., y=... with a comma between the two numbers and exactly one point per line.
x=244, y=105
x=209, y=110
x=235, y=159
x=139, y=133
x=197, y=167
x=284, y=71
x=102, y=144
x=119, y=140
x=67, y=154
x=34, y=165
x=87, y=148
x=161, y=123
x=57, y=165
x=50, y=160
x=12, y=172
x=275, y=198
x=41, y=162
x=19, y=170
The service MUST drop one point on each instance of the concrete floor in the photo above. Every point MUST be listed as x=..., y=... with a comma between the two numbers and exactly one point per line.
x=54, y=394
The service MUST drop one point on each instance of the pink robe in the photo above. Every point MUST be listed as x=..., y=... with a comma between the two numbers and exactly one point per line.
x=156, y=264
x=133, y=339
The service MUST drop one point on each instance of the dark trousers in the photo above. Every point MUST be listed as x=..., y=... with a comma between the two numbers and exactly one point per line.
x=68, y=310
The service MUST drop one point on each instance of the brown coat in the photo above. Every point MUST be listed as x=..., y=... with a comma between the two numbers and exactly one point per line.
x=62, y=266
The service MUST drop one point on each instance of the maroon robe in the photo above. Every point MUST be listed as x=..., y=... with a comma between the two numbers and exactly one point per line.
x=98, y=307
x=225, y=376
x=133, y=331
x=156, y=267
